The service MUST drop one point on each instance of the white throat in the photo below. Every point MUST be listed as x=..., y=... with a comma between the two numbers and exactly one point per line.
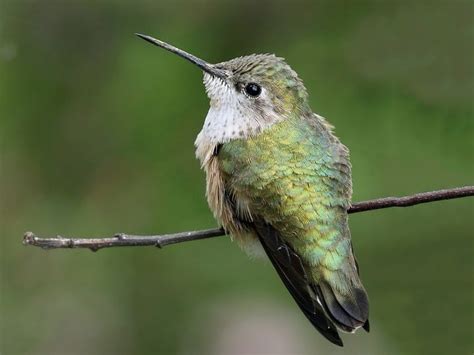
x=232, y=115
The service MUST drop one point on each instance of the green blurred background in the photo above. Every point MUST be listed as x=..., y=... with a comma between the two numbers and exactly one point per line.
x=97, y=130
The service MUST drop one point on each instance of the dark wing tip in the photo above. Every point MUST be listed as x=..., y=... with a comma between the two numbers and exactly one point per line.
x=291, y=271
x=335, y=340
x=329, y=331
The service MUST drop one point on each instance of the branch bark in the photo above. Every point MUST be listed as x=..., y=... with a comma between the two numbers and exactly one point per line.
x=126, y=240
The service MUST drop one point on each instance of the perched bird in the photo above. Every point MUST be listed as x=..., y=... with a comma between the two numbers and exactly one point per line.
x=279, y=179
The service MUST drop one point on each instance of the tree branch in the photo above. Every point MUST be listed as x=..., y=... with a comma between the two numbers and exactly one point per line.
x=126, y=240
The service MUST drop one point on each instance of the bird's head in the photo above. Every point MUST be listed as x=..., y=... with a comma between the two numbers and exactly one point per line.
x=247, y=94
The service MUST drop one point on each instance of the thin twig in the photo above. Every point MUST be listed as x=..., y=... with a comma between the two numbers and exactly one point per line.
x=126, y=240
x=412, y=200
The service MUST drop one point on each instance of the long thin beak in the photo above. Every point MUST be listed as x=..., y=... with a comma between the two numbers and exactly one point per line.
x=207, y=67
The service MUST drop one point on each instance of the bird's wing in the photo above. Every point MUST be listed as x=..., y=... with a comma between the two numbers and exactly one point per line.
x=292, y=272
x=342, y=294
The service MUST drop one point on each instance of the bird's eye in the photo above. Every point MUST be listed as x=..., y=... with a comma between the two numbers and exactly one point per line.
x=253, y=89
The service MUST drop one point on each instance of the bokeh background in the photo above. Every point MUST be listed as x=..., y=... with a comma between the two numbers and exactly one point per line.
x=97, y=130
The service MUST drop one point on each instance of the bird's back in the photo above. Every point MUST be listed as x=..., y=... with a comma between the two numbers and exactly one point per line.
x=295, y=178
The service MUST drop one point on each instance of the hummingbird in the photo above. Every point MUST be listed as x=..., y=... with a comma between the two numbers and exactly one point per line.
x=279, y=182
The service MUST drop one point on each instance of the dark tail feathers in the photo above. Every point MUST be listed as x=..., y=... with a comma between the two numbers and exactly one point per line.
x=347, y=312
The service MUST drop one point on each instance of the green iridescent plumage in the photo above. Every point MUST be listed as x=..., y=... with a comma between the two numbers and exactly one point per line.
x=296, y=185
x=295, y=176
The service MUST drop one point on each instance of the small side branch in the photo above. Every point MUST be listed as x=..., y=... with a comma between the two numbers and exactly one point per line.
x=120, y=240
x=126, y=240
